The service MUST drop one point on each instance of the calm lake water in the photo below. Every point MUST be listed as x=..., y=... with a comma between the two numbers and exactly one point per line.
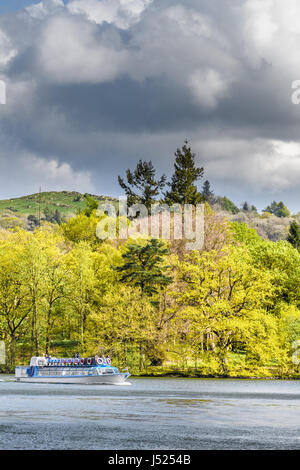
x=155, y=414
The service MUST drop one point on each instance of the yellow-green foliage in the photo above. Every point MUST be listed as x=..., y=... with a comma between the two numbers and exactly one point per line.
x=230, y=310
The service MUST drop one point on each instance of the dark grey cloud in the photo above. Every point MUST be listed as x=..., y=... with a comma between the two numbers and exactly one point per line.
x=94, y=85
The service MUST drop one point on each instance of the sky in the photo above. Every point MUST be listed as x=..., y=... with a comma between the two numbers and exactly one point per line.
x=92, y=86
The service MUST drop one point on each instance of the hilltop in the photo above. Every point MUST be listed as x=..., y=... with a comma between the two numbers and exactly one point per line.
x=26, y=210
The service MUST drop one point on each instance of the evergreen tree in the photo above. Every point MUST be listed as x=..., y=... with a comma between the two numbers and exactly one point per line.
x=278, y=209
x=207, y=193
x=246, y=206
x=142, y=186
x=294, y=235
x=143, y=267
x=183, y=188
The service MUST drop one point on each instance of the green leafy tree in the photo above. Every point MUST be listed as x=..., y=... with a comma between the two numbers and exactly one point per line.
x=183, y=189
x=91, y=205
x=79, y=264
x=142, y=187
x=222, y=297
x=278, y=209
x=15, y=307
x=228, y=205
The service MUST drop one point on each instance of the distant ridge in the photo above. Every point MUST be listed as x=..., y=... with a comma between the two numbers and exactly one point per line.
x=62, y=205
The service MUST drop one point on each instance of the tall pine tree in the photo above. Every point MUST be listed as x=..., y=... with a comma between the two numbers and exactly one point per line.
x=183, y=189
x=207, y=193
x=143, y=266
x=142, y=186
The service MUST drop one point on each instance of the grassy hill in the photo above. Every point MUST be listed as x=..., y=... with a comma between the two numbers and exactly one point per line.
x=16, y=211
x=65, y=201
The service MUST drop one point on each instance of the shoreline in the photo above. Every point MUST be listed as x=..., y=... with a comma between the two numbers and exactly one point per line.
x=222, y=377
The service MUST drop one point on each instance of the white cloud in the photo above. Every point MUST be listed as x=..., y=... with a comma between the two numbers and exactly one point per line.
x=271, y=32
x=44, y=8
x=184, y=58
x=261, y=165
x=28, y=172
x=7, y=52
x=122, y=13
x=70, y=51
x=208, y=86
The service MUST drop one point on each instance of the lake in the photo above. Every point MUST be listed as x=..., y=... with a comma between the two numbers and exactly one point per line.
x=151, y=413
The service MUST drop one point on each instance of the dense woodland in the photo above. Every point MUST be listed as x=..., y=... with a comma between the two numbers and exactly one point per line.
x=229, y=309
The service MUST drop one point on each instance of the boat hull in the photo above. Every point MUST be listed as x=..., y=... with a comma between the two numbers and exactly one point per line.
x=116, y=379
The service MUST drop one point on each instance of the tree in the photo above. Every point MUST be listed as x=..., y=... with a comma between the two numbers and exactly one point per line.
x=82, y=228
x=142, y=186
x=143, y=266
x=48, y=214
x=91, y=205
x=79, y=264
x=294, y=235
x=278, y=209
x=33, y=266
x=228, y=205
x=57, y=217
x=33, y=221
x=183, y=188
x=246, y=207
x=207, y=193
x=222, y=297
x=123, y=323
x=54, y=217
x=15, y=307
x=54, y=286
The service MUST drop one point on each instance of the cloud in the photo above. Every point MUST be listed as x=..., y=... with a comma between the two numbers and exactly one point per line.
x=94, y=85
x=67, y=57
x=122, y=13
x=264, y=165
x=207, y=86
x=7, y=52
x=45, y=8
x=29, y=172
